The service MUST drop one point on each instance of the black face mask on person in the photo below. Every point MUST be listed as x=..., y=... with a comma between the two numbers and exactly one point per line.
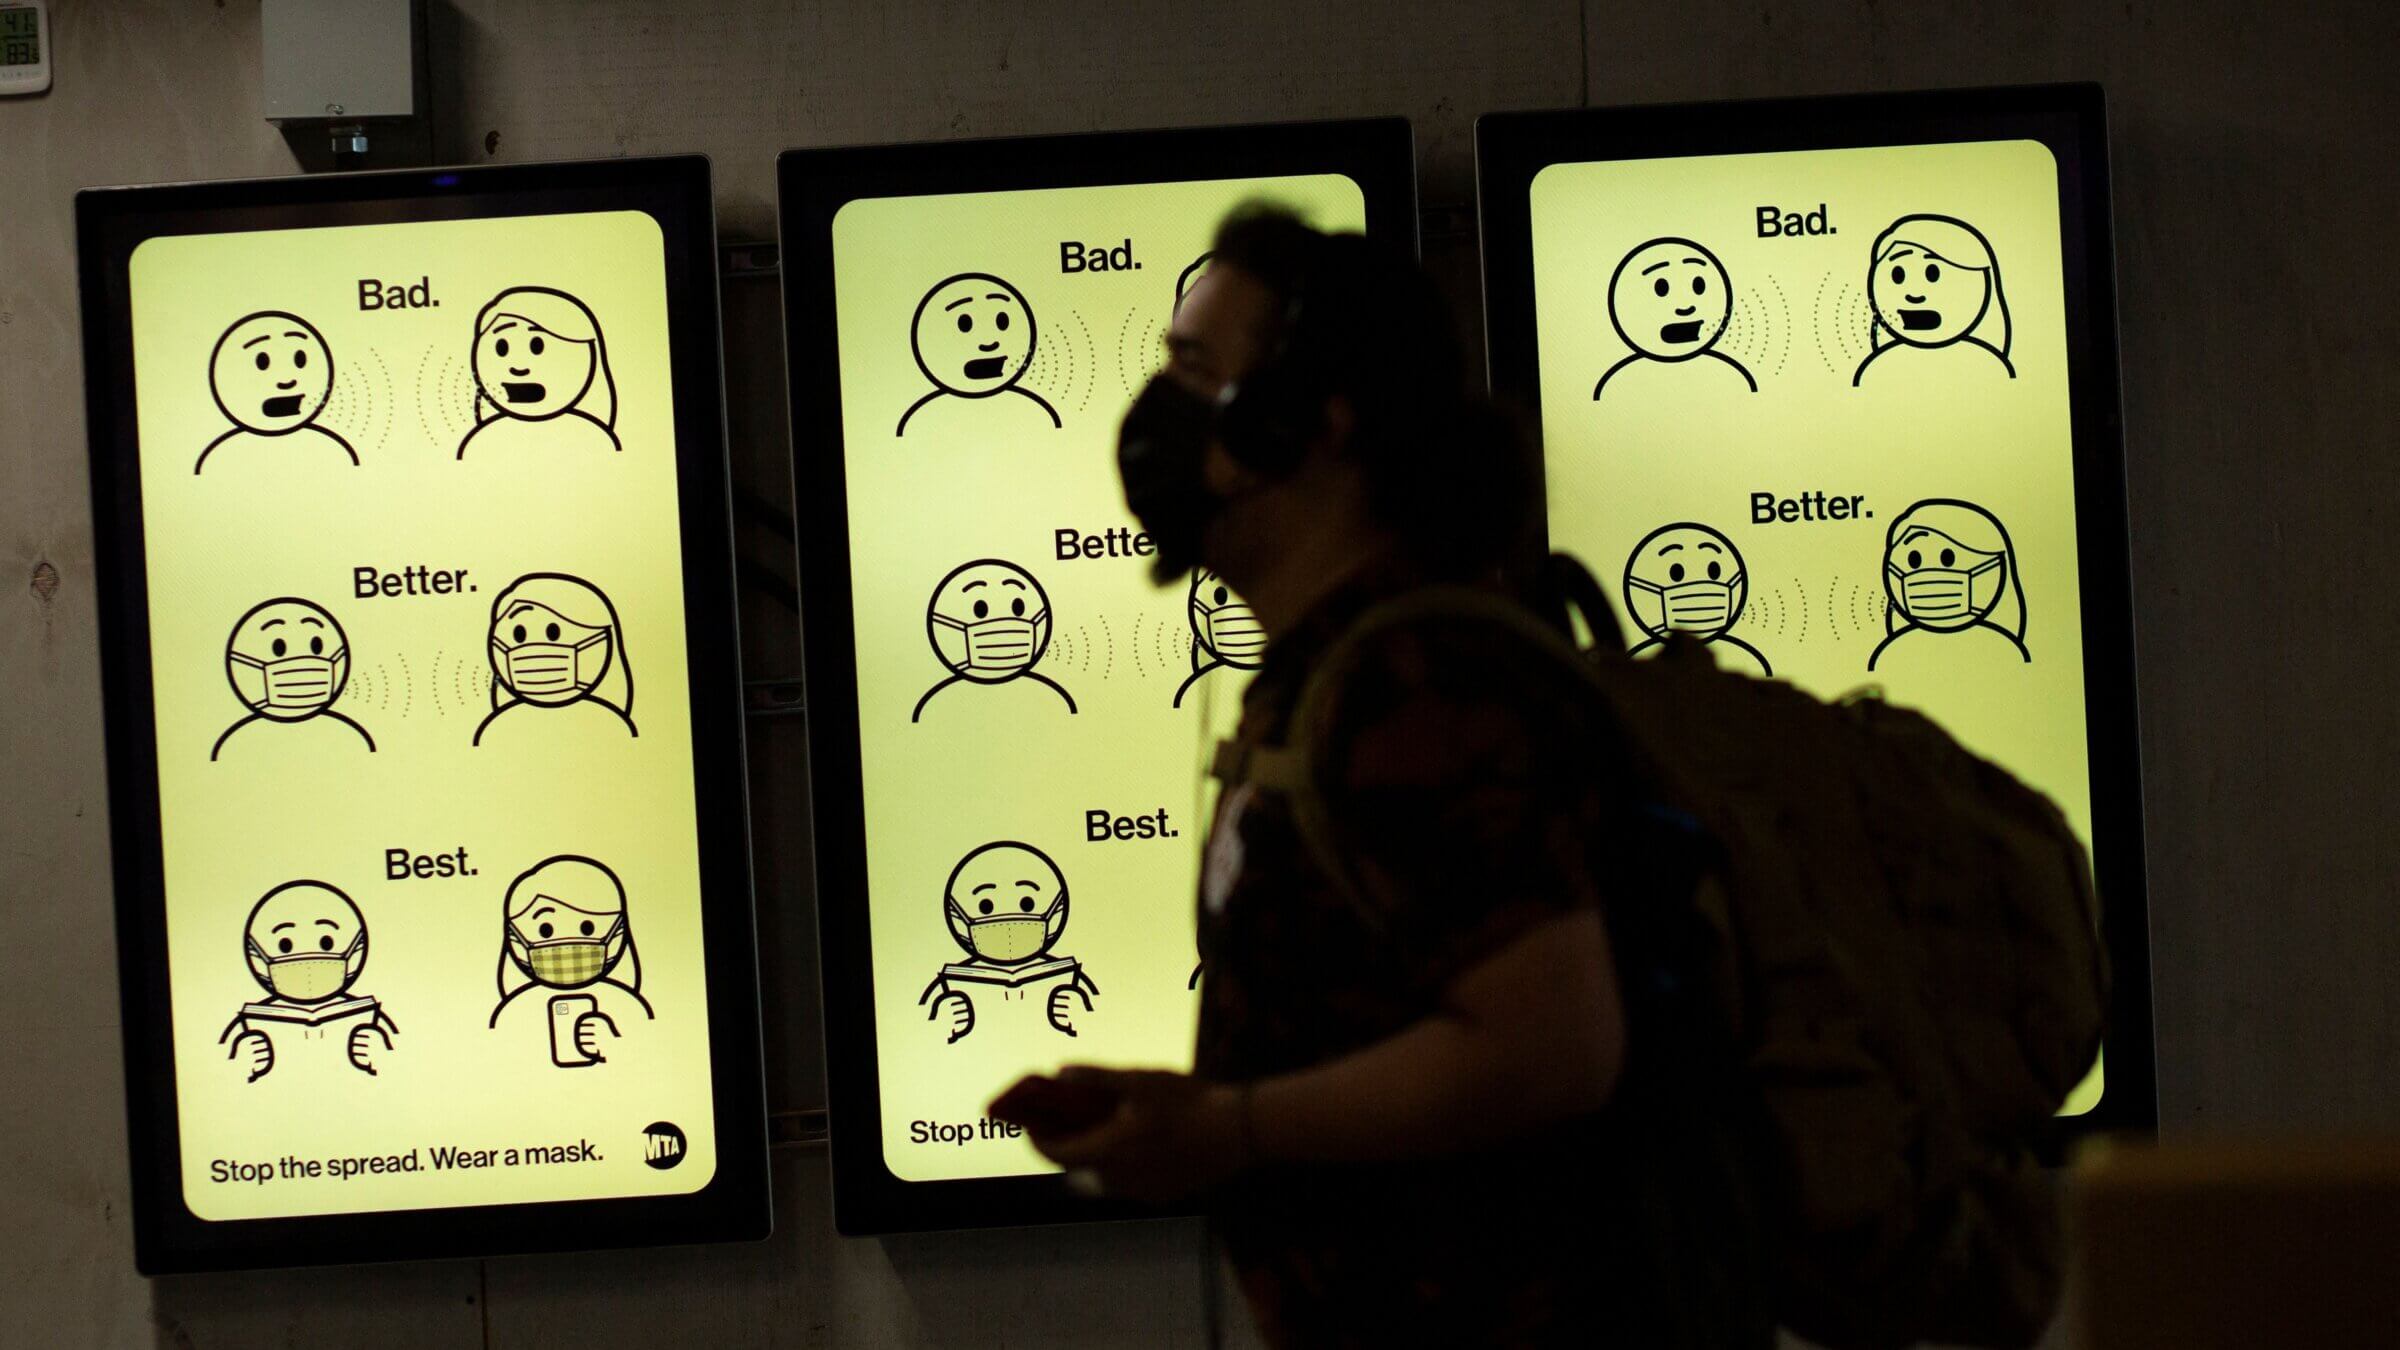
x=1162, y=451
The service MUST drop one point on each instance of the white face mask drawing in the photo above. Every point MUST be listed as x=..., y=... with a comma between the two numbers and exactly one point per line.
x=1946, y=595
x=287, y=660
x=293, y=686
x=1700, y=607
x=1225, y=625
x=1685, y=578
x=989, y=621
x=539, y=670
x=999, y=646
x=553, y=641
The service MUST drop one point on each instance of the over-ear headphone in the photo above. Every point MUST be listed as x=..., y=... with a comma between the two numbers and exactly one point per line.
x=1267, y=418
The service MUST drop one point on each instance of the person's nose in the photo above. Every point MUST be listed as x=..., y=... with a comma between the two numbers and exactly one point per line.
x=1914, y=299
x=1687, y=309
x=988, y=347
x=286, y=384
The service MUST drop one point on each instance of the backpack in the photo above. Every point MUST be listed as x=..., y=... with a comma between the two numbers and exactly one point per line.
x=1901, y=943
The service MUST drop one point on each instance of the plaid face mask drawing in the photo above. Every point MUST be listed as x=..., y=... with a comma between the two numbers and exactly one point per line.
x=567, y=962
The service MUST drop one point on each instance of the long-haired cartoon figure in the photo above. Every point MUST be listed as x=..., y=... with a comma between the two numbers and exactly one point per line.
x=557, y=650
x=541, y=376
x=1934, y=286
x=1950, y=572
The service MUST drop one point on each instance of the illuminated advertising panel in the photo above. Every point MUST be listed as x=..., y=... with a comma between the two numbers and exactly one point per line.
x=1009, y=718
x=1831, y=386
x=423, y=713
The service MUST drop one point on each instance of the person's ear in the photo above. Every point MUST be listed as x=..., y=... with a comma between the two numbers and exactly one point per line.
x=1224, y=476
x=1336, y=424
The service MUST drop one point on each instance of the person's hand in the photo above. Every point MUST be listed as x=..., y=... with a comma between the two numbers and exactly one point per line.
x=1062, y=1006
x=1171, y=1136
x=261, y=1052
x=587, y=1035
x=362, y=1047
x=962, y=1013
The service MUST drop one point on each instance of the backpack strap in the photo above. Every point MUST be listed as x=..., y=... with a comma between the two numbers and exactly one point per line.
x=1292, y=768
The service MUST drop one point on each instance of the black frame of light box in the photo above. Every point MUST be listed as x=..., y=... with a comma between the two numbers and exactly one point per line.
x=2069, y=119
x=814, y=185
x=674, y=191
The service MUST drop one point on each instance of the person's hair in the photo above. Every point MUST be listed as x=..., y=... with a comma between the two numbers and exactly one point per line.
x=1445, y=470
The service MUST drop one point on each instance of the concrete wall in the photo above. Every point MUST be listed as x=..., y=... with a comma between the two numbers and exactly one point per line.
x=2254, y=147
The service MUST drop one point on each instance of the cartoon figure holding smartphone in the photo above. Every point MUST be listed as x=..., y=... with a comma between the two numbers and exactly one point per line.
x=564, y=932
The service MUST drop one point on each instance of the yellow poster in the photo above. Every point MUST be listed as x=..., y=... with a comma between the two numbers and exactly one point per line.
x=1811, y=408
x=1034, y=712
x=417, y=652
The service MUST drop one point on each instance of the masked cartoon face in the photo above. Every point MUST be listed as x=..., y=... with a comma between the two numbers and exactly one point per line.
x=566, y=922
x=287, y=660
x=531, y=372
x=271, y=373
x=1940, y=583
x=1685, y=578
x=1922, y=299
x=973, y=335
x=1223, y=625
x=1670, y=299
x=545, y=657
x=1006, y=903
x=306, y=942
x=989, y=621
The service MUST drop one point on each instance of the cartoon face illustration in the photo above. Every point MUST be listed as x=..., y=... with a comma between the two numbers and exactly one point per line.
x=565, y=924
x=287, y=659
x=1006, y=903
x=973, y=335
x=538, y=353
x=271, y=373
x=1685, y=578
x=554, y=639
x=1946, y=565
x=989, y=621
x=1223, y=625
x=306, y=942
x=1669, y=299
x=1933, y=282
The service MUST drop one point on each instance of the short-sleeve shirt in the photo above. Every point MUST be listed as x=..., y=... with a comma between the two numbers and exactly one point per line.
x=1474, y=791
